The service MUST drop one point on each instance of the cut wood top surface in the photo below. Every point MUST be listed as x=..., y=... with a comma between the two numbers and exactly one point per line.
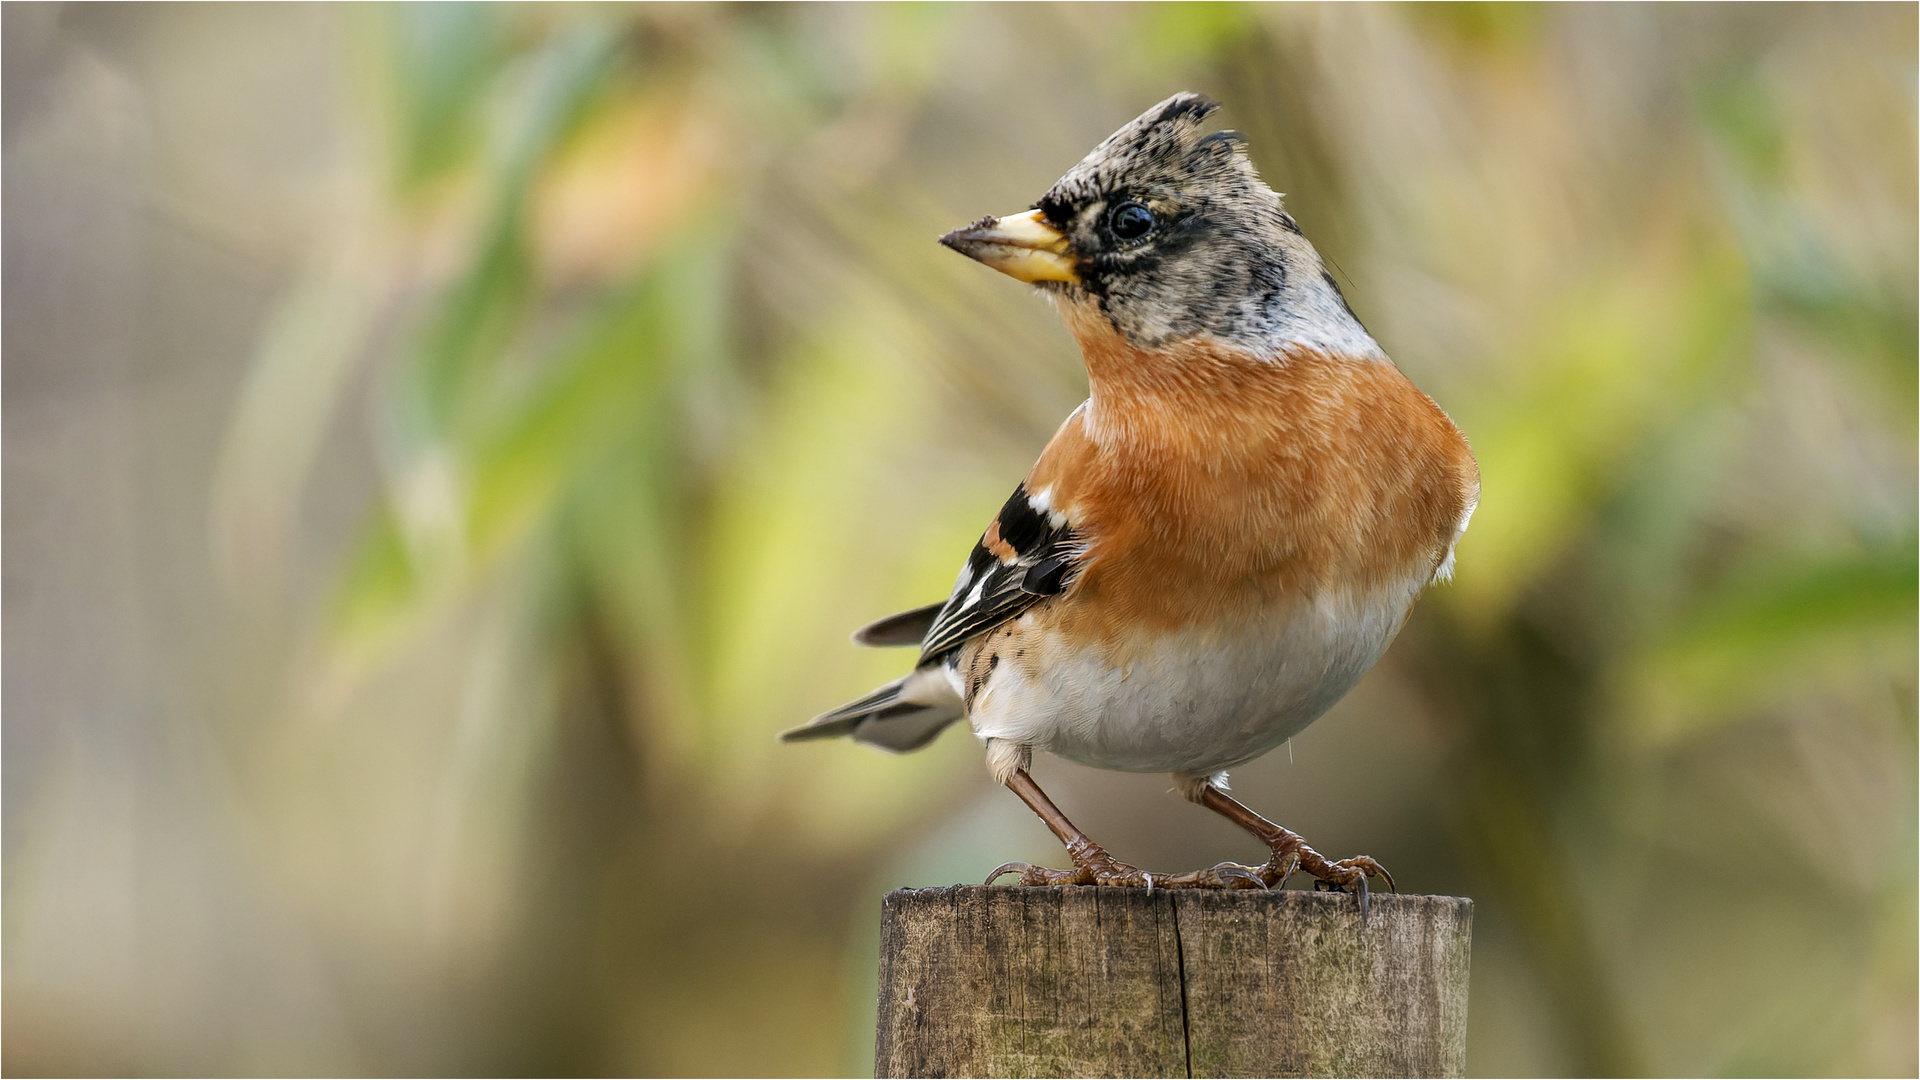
x=1079, y=981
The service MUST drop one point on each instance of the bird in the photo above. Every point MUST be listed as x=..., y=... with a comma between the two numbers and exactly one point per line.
x=1218, y=543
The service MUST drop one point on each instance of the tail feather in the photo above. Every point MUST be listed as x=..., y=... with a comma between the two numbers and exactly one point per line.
x=903, y=715
x=843, y=720
x=906, y=628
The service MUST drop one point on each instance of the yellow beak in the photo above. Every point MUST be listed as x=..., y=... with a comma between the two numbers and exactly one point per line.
x=1022, y=246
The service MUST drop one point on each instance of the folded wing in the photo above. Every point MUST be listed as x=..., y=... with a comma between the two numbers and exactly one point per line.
x=1028, y=554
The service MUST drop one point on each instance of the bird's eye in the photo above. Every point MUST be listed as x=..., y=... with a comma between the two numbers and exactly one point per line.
x=1130, y=221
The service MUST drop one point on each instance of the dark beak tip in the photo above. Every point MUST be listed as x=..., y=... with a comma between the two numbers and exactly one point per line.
x=963, y=241
x=968, y=232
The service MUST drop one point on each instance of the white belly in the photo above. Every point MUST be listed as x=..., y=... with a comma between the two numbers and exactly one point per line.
x=1193, y=703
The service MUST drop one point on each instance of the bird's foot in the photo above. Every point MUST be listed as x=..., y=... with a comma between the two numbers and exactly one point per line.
x=1226, y=875
x=1291, y=855
x=1096, y=867
x=1091, y=866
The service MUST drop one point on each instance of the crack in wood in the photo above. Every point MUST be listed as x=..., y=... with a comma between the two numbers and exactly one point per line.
x=1180, y=964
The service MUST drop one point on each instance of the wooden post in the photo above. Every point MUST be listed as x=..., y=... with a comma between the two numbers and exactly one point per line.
x=1005, y=981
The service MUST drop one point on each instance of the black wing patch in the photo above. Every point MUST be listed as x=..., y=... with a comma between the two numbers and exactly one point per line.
x=1023, y=558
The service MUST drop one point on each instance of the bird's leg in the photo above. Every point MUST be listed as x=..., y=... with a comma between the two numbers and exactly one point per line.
x=1291, y=853
x=1091, y=863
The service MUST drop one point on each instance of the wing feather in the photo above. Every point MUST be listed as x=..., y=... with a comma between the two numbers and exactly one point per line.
x=1027, y=555
x=906, y=628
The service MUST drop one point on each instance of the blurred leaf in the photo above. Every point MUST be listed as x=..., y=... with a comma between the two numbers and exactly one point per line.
x=1780, y=626
x=1879, y=333
x=1510, y=24
x=521, y=459
x=566, y=72
x=1797, y=272
x=477, y=320
x=813, y=525
x=1741, y=111
x=482, y=312
x=443, y=54
x=299, y=372
x=377, y=588
x=906, y=50
x=516, y=462
x=471, y=477
x=1181, y=34
x=1595, y=378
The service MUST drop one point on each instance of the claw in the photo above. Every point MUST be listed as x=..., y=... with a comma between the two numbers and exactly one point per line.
x=1287, y=867
x=1229, y=871
x=1368, y=867
x=1007, y=868
x=1362, y=882
x=1226, y=875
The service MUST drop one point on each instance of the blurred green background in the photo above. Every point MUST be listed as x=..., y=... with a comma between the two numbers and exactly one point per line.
x=445, y=443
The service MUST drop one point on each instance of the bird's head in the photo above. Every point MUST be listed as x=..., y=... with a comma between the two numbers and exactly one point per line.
x=1170, y=234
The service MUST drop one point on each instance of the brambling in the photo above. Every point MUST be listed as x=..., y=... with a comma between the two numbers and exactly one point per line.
x=1219, y=542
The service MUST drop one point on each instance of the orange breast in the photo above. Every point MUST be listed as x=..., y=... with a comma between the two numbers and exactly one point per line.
x=1213, y=485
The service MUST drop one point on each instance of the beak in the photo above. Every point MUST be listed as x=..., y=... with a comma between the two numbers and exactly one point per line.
x=1022, y=246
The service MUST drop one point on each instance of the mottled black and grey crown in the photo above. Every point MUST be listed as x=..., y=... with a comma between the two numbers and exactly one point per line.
x=1161, y=152
x=1175, y=235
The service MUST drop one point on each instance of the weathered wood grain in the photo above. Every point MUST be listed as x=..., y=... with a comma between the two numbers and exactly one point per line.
x=1006, y=981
